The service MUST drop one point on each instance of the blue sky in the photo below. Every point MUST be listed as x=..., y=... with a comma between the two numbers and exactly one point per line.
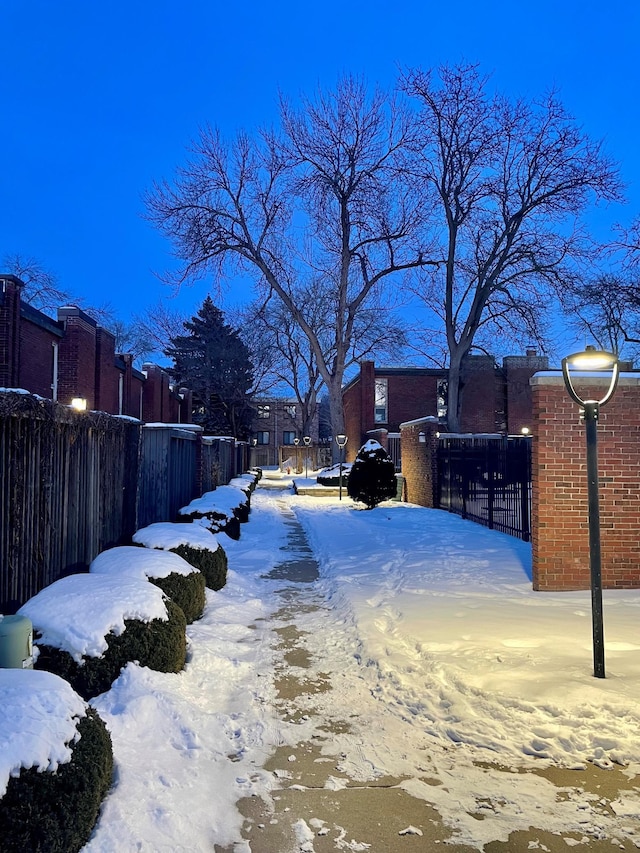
x=99, y=99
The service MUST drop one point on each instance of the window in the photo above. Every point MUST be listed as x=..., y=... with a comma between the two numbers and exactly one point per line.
x=380, y=405
x=262, y=437
x=443, y=394
x=264, y=412
x=288, y=436
x=291, y=411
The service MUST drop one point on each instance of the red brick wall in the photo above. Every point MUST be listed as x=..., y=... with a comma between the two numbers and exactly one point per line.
x=411, y=397
x=560, y=536
x=77, y=357
x=518, y=370
x=483, y=402
x=106, y=374
x=36, y=371
x=9, y=331
x=419, y=460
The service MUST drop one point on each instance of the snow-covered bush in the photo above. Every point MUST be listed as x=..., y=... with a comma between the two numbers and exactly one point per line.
x=331, y=476
x=88, y=627
x=177, y=578
x=193, y=542
x=373, y=477
x=223, y=508
x=56, y=764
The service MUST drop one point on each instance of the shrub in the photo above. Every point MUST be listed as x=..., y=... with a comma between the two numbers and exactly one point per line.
x=331, y=476
x=158, y=644
x=372, y=478
x=55, y=812
x=212, y=564
x=187, y=591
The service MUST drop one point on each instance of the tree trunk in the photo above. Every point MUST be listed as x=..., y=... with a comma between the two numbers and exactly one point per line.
x=336, y=413
x=454, y=392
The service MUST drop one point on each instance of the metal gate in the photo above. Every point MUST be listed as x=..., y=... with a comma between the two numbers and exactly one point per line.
x=486, y=479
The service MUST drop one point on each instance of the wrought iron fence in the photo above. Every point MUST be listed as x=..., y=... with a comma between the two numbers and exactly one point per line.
x=486, y=479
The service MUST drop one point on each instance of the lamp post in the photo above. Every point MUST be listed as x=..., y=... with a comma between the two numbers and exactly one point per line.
x=307, y=443
x=605, y=362
x=341, y=441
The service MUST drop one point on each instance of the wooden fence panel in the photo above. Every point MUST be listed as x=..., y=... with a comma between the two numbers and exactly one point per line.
x=67, y=491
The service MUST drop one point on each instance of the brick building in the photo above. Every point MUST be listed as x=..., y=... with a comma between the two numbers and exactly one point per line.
x=495, y=398
x=75, y=357
x=277, y=423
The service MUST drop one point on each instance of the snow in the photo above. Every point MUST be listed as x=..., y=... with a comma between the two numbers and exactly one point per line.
x=39, y=713
x=141, y=563
x=77, y=612
x=222, y=501
x=459, y=672
x=166, y=535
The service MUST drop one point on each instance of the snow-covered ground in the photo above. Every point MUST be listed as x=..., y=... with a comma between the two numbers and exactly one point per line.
x=432, y=633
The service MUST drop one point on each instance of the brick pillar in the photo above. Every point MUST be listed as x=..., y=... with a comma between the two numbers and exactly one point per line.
x=418, y=441
x=77, y=356
x=10, y=292
x=560, y=530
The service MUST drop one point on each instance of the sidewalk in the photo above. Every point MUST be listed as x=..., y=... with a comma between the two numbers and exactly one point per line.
x=316, y=806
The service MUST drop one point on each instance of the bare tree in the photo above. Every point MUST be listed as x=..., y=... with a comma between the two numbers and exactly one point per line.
x=508, y=181
x=321, y=200
x=608, y=310
x=41, y=288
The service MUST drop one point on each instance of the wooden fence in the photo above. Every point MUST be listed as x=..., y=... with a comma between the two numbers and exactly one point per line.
x=73, y=484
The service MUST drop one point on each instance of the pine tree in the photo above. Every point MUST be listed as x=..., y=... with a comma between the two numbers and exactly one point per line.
x=214, y=363
x=372, y=478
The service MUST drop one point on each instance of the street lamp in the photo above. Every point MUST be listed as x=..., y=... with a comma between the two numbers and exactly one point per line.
x=605, y=362
x=341, y=441
x=307, y=443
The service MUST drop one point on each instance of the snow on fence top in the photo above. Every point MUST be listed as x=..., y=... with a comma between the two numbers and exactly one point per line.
x=76, y=613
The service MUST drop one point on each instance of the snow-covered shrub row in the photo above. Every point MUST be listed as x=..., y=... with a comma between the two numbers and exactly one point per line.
x=176, y=577
x=193, y=542
x=87, y=627
x=56, y=764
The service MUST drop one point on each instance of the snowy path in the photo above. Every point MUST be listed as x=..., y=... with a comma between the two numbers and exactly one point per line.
x=341, y=710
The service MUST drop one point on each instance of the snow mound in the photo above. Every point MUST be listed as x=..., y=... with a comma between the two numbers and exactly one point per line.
x=39, y=713
x=166, y=535
x=140, y=563
x=76, y=613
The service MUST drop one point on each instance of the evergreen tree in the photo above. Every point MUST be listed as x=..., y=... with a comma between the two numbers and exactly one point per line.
x=214, y=363
x=372, y=477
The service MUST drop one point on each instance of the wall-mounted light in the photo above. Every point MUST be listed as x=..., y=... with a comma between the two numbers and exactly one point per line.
x=525, y=431
x=422, y=438
x=79, y=404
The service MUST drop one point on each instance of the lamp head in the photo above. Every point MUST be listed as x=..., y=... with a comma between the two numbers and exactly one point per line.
x=589, y=360
x=79, y=404
x=341, y=439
